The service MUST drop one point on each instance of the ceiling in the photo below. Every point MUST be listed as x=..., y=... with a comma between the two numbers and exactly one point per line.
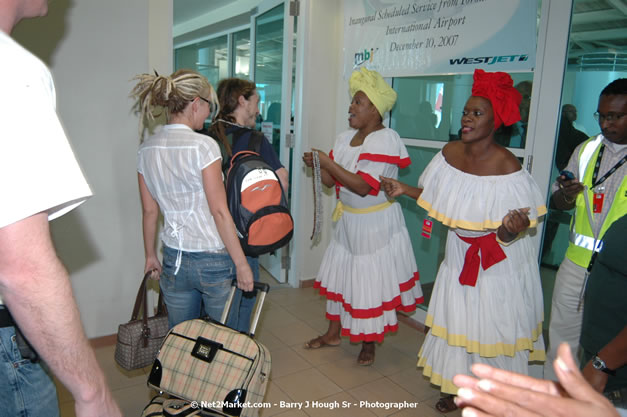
x=185, y=10
x=599, y=27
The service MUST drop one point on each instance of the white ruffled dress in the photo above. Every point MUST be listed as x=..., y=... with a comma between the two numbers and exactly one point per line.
x=368, y=270
x=498, y=321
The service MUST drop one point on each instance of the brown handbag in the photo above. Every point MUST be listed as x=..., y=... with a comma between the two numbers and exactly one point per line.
x=139, y=340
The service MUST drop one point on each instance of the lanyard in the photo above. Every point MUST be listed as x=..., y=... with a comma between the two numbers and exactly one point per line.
x=595, y=183
x=597, y=165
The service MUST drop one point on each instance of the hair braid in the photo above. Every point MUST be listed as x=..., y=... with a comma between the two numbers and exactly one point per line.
x=153, y=93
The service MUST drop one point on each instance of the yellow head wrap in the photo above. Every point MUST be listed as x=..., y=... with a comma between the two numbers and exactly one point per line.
x=374, y=86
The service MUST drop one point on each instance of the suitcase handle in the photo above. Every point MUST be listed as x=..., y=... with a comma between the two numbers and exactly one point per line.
x=262, y=289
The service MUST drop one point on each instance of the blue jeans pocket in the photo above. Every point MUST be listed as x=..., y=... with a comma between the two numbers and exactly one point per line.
x=26, y=387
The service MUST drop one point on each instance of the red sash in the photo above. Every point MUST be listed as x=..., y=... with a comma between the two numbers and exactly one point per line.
x=491, y=253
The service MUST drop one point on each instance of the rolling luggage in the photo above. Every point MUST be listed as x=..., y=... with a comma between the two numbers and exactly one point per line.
x=167, y=407
x=220, y=369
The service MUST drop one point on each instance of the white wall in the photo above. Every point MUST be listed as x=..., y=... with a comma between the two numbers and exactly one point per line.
x=318, y=109
x=94, y=48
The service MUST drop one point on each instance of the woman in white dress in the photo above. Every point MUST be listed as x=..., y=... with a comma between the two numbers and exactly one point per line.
x=487, y=301
x=368, y=271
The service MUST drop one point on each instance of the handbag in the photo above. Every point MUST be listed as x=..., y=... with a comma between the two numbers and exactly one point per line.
x=139, y=340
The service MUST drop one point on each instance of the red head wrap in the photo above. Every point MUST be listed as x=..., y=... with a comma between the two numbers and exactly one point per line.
x=498, y=87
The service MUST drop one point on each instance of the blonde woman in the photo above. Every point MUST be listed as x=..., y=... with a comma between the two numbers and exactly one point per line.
x=180, y=175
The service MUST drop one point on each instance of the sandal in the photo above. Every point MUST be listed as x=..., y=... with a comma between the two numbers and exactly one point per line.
x=446, y=404
x=366, y=356
x=319, y=342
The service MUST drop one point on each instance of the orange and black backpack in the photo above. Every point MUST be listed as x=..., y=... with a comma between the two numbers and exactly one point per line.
x=257, y=201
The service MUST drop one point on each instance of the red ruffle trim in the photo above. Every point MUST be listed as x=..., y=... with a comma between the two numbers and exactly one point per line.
x=363, y=337
x=390, y=159
x=374, y=184
x=367, y=313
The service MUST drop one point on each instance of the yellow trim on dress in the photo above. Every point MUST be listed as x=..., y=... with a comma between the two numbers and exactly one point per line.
x=340, y=208
x=446, y=385
x=493, y=350
x=463, y=224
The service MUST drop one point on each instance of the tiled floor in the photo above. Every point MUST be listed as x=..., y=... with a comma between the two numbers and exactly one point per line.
x=329, y=379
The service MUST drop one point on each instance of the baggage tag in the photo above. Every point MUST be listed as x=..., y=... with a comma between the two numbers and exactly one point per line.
x=427, y=227
x=597, y=202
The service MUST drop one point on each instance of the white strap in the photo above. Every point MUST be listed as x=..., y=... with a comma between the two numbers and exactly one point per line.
x=586, y=155
x=178, y=234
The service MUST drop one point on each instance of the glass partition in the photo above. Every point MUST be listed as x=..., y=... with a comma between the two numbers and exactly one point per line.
x=241, y=54
x=208, y=57
x=429, y=108
x=428, y=252
x=269, y=69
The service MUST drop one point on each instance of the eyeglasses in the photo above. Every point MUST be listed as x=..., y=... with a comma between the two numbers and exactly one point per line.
x=212, y=106
x=610, y=117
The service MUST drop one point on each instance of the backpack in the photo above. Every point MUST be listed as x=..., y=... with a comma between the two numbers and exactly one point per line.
x=257, y=201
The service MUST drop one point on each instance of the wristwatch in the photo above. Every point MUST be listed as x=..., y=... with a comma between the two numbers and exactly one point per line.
x=599, y=364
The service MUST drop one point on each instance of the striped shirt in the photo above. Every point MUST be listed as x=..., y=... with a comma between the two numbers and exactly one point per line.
x=171, y=162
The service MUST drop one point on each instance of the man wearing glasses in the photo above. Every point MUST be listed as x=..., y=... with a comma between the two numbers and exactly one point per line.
x=598, y=192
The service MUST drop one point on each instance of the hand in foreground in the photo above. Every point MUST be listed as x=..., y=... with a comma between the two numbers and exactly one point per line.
x=516, y=221
x=505, y=393
x=244, y=277
x=392, y=187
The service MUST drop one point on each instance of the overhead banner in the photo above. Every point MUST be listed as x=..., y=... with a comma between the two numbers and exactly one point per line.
x=426, y=37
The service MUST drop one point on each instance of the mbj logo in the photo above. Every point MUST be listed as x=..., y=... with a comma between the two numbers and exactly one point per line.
x=366, y=55
x=489, y=59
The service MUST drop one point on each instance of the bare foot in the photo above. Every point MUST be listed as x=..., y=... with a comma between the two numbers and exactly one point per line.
x=320, y=342
x=366, y=356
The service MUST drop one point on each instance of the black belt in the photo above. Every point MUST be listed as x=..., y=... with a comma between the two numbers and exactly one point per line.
x=5, y=318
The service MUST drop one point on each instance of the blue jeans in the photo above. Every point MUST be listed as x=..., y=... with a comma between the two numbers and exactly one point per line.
x=25, y=387
x=243, y=303
x=203, y=280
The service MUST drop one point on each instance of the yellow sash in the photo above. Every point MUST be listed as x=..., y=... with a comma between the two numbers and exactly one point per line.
x=340, y=208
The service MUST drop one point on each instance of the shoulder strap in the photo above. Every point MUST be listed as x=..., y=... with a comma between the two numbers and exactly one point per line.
x=254, y=144
x=237, y=134
x=585, y=154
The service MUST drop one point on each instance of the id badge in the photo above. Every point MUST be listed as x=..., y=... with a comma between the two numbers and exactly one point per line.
x=427, y=227
x=597, y=202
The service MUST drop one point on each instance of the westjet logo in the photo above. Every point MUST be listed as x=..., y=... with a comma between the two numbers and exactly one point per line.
x=489, y=59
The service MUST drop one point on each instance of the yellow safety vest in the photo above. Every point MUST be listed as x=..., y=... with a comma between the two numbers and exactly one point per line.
x=581, y=236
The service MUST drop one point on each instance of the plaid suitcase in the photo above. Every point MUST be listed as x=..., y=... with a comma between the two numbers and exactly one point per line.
x=167, y=407
x=222, y=370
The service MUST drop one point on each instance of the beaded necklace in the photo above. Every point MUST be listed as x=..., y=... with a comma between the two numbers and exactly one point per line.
x=317, y=188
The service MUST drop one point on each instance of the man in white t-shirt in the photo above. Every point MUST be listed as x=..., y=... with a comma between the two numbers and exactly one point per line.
x=40, y=179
